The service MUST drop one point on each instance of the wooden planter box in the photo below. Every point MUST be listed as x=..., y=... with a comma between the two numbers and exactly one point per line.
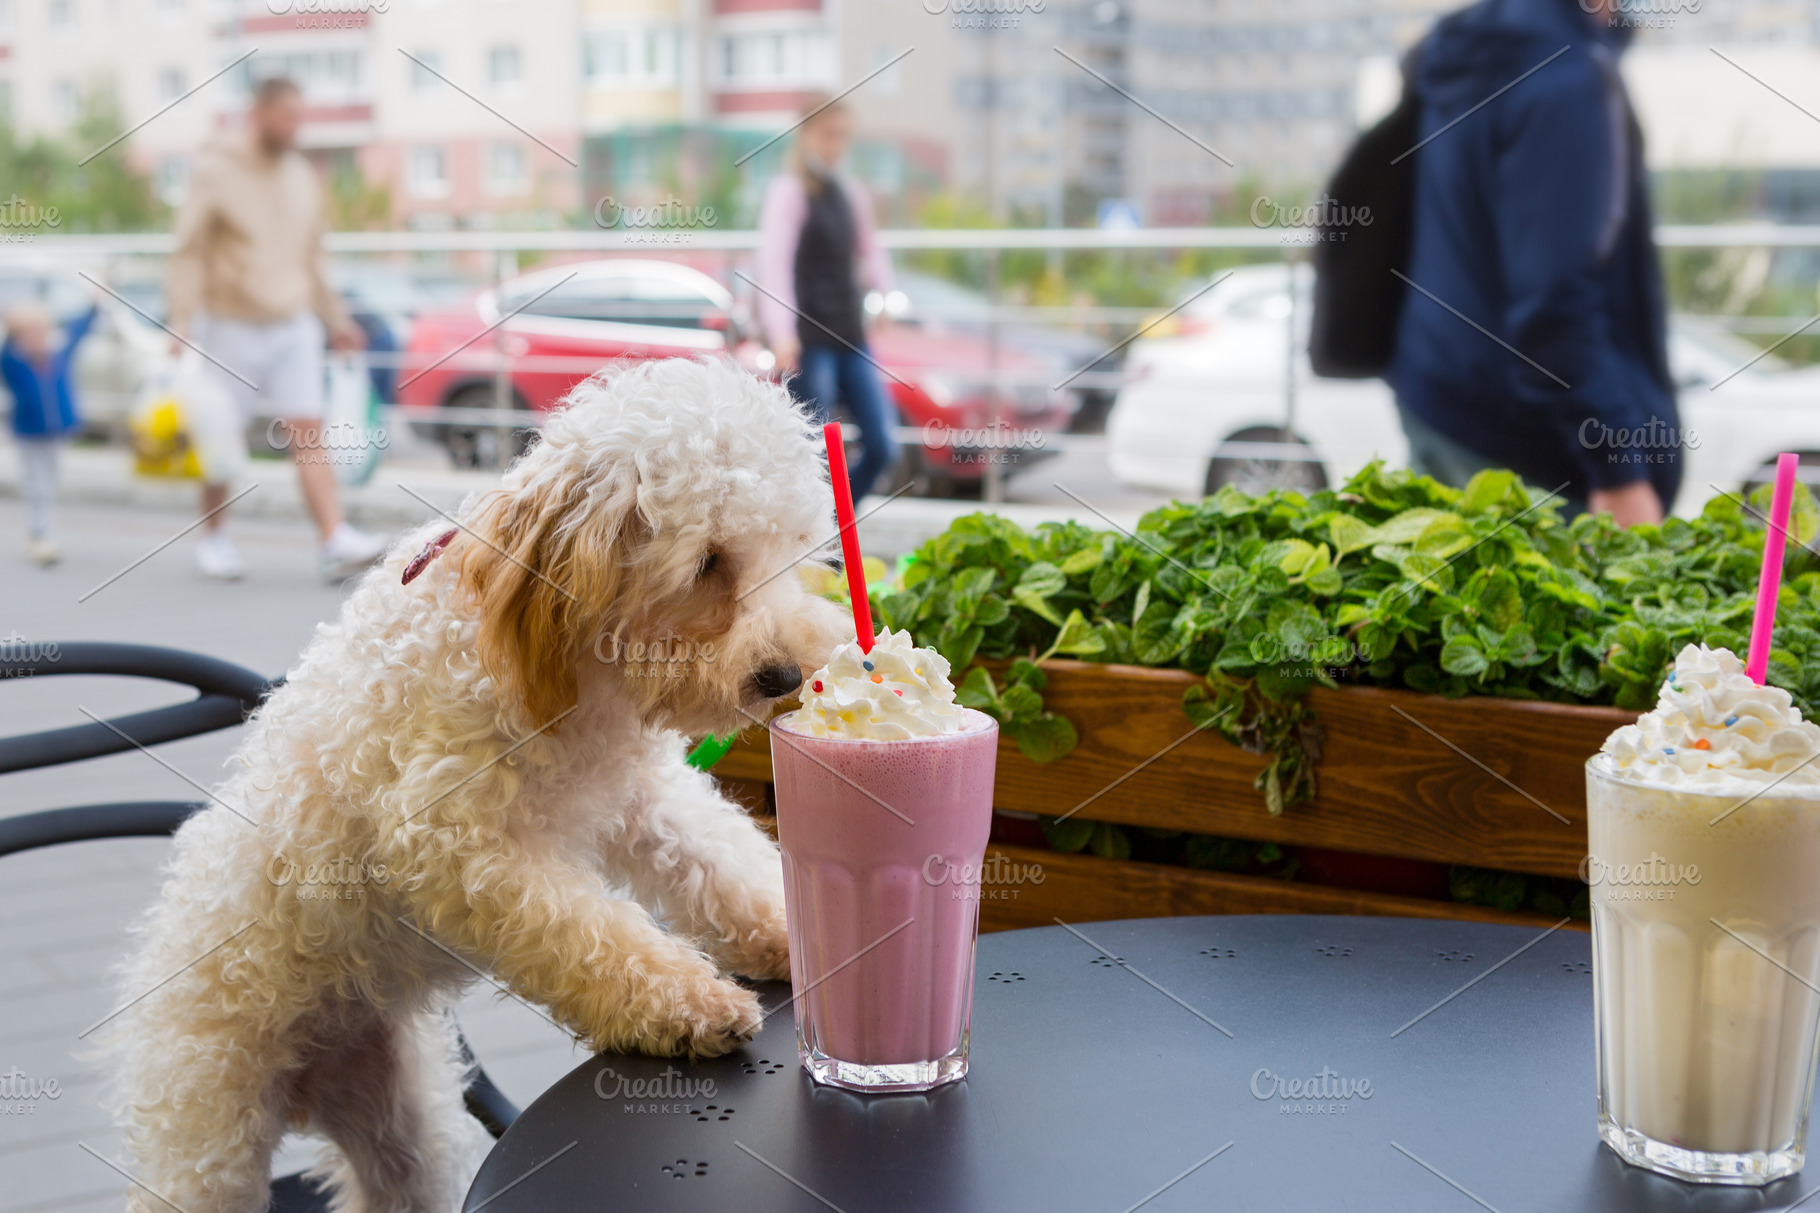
x=1492, y=783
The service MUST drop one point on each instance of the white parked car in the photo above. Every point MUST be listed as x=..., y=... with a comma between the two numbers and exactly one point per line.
x=1207, y=402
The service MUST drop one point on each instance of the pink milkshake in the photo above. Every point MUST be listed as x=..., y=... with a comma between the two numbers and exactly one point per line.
x=881, y=781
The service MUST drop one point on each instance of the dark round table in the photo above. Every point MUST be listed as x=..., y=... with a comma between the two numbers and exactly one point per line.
x=1147, y=1064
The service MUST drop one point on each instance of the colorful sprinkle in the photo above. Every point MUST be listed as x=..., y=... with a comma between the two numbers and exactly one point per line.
x=899, y=694
x=1667, y=750
x=1703, y=744
x=818, y=684
x=867, y=664
x=1730, y=721
x=878, y=678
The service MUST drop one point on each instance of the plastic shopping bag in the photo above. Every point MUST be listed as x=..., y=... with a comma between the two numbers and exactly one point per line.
x=217, y=430
x=160, y=437
x=352, y=437
x=184, y=425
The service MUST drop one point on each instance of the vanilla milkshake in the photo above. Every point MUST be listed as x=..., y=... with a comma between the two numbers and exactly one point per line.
x=1703, y=821
x=878, y=773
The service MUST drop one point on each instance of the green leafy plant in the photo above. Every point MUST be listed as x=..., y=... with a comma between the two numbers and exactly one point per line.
x=1018, y=707
x=1391, y=580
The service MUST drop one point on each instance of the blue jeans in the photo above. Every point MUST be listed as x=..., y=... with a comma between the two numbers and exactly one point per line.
x=1432, y=453
x=832, y=376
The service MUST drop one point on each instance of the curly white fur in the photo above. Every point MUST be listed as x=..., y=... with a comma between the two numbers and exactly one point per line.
x=460, y=771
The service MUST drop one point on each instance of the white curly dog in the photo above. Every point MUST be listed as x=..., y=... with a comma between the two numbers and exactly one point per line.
x=474, y=767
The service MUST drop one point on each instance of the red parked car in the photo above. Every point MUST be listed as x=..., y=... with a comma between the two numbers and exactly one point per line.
x=567, y=321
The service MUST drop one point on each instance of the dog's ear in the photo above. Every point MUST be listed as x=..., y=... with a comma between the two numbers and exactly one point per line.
x=541, y=561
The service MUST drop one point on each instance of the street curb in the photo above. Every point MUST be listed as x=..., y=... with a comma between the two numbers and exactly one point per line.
x=103, y=476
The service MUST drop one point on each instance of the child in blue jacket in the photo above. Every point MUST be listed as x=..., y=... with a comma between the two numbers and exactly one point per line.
x=39, y=374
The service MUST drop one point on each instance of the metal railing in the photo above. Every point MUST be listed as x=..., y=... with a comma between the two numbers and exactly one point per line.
x=158, y=244
x=503, y=247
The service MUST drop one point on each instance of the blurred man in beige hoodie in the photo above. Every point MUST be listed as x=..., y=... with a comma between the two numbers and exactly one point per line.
x=248, y=288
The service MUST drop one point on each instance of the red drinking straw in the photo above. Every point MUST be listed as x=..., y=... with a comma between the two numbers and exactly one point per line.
x=1769, y=581
x=849, y=535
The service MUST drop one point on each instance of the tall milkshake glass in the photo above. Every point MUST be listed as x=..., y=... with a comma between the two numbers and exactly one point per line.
x=1703, y=826
x=881, y=954
x=1706, y=953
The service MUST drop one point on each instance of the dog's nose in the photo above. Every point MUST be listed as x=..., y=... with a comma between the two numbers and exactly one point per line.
x=775, y=681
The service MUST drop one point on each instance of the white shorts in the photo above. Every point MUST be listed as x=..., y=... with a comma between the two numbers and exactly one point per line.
x=280, y=364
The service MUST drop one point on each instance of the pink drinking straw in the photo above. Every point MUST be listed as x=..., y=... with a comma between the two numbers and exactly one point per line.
x=1769, y=581
x=849, y=535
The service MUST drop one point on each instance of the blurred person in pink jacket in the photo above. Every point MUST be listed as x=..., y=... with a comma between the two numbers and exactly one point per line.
x=818, y=253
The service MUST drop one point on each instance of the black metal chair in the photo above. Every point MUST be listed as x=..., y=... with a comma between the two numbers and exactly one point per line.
x=226, y=695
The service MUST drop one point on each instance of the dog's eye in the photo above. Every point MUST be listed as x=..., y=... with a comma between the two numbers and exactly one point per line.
x=709, y=563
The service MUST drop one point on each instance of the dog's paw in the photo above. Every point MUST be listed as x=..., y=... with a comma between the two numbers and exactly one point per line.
x=762, y=951
x=715, y=1017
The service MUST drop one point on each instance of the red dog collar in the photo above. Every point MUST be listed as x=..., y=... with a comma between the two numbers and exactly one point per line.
x=431, y=551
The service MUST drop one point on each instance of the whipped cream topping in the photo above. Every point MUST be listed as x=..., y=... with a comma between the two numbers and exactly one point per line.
x=1712, y=725
x=895, y=691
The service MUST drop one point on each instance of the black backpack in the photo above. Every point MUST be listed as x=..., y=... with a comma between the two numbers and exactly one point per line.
x=1357, y=298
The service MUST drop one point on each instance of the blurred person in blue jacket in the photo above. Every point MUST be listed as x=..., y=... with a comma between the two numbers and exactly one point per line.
x=1532, y=224
x=38, y=372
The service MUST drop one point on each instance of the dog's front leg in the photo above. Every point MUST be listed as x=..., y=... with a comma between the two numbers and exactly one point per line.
x=602, y=965
x=709, y=869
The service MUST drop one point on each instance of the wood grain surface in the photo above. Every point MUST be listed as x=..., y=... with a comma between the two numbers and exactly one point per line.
x=1086, y=888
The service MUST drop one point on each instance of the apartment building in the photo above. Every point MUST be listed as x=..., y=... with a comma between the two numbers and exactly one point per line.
x=524, y=112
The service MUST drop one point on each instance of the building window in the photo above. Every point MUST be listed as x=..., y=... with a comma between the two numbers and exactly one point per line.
x=429, y=173
x=62, y=14
x=799, y=58
x=424, y=68
x=503, y=66
x=326, y=77
x=173, y=179
x=633, y=57
x=170, y=84
x=65, y=105
x=506, y=169
x=890, y=81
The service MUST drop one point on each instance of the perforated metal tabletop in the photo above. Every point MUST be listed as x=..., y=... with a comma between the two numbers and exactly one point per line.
x=1136, y=1065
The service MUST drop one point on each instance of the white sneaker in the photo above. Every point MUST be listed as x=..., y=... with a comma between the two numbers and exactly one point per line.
x=217, y=557
x=43, y=552
x=348, y=552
